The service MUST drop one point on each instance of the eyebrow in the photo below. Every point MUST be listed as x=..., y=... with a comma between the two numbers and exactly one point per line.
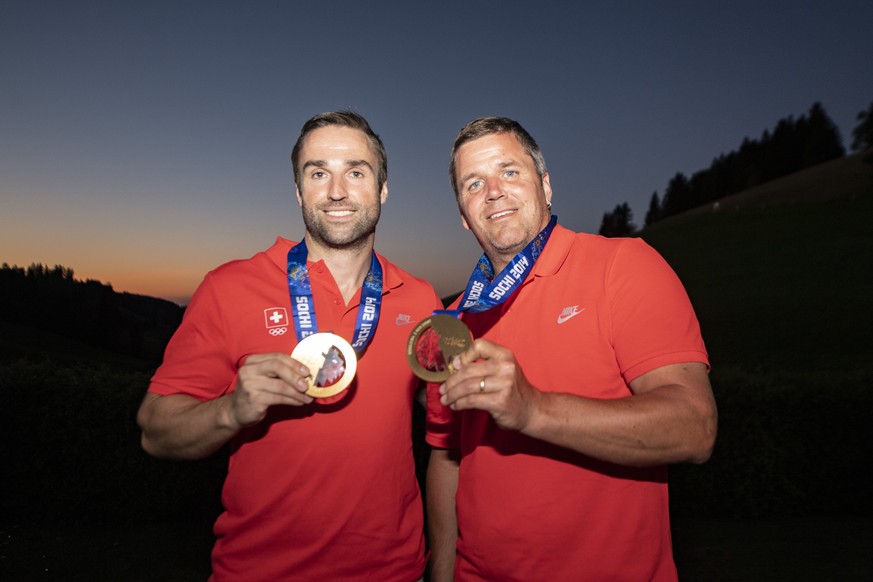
x=348, y=163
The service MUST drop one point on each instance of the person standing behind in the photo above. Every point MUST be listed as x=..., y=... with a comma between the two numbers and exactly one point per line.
x=320, y=485
x=588, y=376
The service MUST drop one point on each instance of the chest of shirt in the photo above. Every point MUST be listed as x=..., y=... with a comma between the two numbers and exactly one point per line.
x=560, y=332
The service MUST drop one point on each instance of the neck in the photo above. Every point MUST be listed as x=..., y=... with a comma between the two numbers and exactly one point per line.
x=499, y=259
x=348, y=266
x=498, y=262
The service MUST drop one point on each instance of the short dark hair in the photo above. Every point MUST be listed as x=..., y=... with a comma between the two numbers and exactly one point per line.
x=342, y=119
x=491, y=125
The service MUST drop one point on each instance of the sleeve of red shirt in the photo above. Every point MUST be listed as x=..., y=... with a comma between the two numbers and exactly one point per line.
x=440, y=426
x=440, y=421
x=196, y=361
x=653, y=320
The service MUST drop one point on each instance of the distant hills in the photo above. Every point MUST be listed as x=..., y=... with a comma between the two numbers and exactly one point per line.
x=43, y=310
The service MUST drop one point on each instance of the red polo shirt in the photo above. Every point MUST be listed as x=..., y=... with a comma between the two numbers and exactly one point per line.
x=594, y=314
x=318, y=492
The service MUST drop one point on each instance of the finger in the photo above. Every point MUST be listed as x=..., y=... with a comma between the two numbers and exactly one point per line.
x=296, y=396
x=295, y=365
x=469, y=389
x=482, y=349
x=473, y=394
x=291, y=372
x=250, y=402
x=280, y=390
x=475, y=369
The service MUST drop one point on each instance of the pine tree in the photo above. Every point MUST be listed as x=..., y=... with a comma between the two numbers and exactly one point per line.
x=862, y=135
x=618, y=222
x=677, y=197
x=822, y=140
x=654, y=213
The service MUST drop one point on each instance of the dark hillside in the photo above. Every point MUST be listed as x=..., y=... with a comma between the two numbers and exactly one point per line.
x=24, y=342
x=89, y=312
x=781, y=277
x=842, y=178
x=780, y=274
x=75, y=362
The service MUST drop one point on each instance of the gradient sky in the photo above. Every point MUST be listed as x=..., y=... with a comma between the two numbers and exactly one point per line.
x=145, y=143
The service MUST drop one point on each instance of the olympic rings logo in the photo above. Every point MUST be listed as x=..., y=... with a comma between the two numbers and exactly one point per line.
x=278, y=331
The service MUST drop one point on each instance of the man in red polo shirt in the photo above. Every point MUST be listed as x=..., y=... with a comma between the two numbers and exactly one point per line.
x=321, y=482
x=588, y=375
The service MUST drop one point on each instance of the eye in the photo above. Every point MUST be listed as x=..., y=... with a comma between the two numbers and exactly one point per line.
x=356, y=174
x=474, y=185
x=510, y=173
x=318, y=174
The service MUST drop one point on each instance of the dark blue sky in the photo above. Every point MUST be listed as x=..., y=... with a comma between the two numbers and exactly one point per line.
x=144, y=143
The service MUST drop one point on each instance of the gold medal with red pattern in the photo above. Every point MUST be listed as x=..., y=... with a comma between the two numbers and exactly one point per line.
x=433, y=344
x=331, y=361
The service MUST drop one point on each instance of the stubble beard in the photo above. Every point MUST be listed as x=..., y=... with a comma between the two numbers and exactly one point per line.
x=351, y=236
x=506, y=243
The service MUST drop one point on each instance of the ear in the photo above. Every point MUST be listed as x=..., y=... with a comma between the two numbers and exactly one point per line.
x=299, y=196
x=464, y=222
x=384, y=194
x=547, y=189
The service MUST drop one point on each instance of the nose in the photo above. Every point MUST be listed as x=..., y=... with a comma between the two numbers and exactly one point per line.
x=337, y=190
x=493, y=189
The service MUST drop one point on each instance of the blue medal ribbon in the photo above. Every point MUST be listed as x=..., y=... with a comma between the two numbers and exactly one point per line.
x=303, y=308
x=485, y=291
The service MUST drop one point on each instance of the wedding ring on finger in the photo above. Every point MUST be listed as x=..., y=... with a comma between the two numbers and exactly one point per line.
x=482, y=385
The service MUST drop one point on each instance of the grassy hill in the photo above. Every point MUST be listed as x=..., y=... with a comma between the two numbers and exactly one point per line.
x=842, y=178
x=780, y=276
x=18, y=341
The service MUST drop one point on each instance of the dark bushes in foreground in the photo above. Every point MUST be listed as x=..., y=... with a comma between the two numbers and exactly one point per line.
x=71, y=451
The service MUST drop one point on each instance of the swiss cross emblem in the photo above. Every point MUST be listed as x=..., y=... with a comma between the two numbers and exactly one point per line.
x=276, y=317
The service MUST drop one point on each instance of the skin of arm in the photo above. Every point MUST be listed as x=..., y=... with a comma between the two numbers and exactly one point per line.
x=442, y=483
x=670, y=416
x=179, y=426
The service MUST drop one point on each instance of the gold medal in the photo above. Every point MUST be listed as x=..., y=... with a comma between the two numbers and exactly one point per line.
x=331, y=361
x=433, y=344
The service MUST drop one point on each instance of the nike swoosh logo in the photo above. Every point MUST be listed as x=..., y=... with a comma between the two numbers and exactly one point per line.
x=562, y=317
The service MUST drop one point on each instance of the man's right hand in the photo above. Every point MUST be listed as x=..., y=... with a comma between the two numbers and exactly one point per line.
x=180, y=426
x=265, y=380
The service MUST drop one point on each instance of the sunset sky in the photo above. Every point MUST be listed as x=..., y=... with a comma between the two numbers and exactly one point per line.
x=144, y=143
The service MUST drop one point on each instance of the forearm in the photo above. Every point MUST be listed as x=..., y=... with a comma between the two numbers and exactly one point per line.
x=442, y=484
x=181, y=427
x=647, y=429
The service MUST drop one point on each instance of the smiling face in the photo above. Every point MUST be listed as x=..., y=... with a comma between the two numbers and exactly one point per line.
x=338, y=188
x=503, y=201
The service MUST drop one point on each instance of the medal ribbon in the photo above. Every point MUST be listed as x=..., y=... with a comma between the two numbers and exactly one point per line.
x=303, y=308
x=485, y=291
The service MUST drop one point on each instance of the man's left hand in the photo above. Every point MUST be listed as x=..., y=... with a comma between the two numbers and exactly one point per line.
x=488, y=377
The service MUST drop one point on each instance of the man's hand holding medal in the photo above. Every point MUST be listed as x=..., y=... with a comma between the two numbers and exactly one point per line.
x=478, y=373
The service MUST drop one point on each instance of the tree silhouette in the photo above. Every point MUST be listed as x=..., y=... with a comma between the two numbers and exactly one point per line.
x=862, y=135
x=792, y=145
x=677, y=196
x=618, y=222
x=52, y=299
x=653, y=215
